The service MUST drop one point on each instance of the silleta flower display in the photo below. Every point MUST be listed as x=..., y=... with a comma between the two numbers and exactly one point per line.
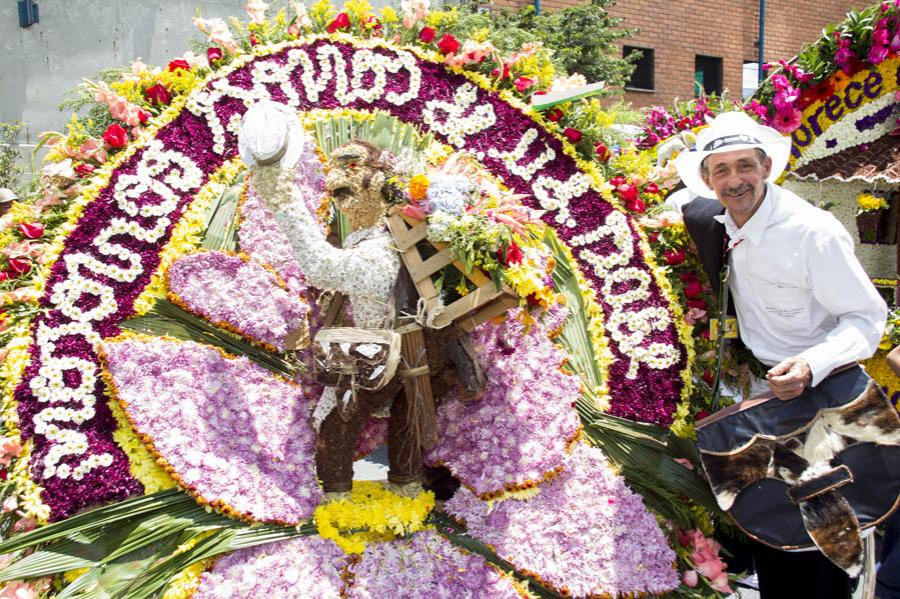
x=107, y=415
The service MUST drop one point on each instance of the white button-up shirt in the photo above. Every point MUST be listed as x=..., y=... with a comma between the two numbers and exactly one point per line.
x=798, y=288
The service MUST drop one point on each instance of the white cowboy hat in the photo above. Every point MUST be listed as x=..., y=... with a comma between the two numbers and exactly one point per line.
x=728, y=132
x=270, y=132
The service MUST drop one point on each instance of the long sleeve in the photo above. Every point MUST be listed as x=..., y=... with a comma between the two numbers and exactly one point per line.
x=841, y=286
x=366, y=272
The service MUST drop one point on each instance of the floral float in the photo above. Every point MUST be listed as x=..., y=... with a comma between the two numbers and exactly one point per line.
x=145, y=276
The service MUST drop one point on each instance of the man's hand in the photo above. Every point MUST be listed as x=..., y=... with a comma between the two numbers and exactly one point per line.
x=789, y=378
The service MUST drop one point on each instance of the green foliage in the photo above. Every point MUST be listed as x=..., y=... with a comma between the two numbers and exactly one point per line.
x=583, y=39
x=10, y=167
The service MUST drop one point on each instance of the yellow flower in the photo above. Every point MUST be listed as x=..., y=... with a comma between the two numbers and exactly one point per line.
x=868, y=202
x=389, y=16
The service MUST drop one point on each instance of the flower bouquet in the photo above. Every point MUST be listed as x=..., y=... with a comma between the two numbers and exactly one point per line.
x=469, y=243
x=872, y=218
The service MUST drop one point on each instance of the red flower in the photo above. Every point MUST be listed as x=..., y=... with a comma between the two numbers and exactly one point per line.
x=143, y=116
x=602, y=152
x=3, y=276
x=618, y=180
x=653, y=236
x=504, y=75
x=636, y=205
x=627, y=191
x=448, y=44
x=674, y=257
x=253, y=40
x=3, y=475
x=84, y=169
x=523, y=83
x=701, y=414
x=555, y=115
x=426, y=35
x=689, y=277
x=512, y=254
x=373, y=23
x=179, y=63
x=213, y=54
x=698, y=303
x=19, y=266
x=116, y=136
x=708, y=377
x=692, y=289
x=31, y=230
x=573, y=135
x=158, y=94
x=704, y=334
x=342, y=22
x=651, y=188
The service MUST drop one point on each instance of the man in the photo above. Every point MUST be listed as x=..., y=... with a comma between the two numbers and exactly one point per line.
x=804, y=304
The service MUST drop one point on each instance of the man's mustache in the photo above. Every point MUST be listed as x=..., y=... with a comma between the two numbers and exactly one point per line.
x=737, y=191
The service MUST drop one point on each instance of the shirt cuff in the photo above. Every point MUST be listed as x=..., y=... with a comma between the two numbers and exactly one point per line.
x=821, y=362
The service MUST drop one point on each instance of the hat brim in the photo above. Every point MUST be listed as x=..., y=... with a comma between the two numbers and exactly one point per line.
x=296, y=138
x=688, y=163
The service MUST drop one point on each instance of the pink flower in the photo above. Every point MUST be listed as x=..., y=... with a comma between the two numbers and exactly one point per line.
x=10, y=504
x=24, y=524
x=695, y=315
x=17, y=589
x=690, y=578
x=788, y=121
x=523, y=83
x=720, y=583
x=218, y=33
x=877, y=54
x=256, y=10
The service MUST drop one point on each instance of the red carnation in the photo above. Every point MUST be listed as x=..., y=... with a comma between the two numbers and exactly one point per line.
x=653, y=236
x=698, y=303
x=253, y=40
x=213, y=54
x=701, y=414
x=4, y=276
x=627, y=191
x=19, y=266
x=342, y=22
x=617, y=180
x=448, y=44
x=602, y=152
x=497, y=73
x=143, y=116
x=84, y=169
x=674, y=257
x=636, y=205
x=692, y=289
x=573, y=135
x=689, y=277
x=523, y=83
x=555, y=115
x=708, y=377
x=158, y=94
x=179, y=63
x=31, y=230
x=426, y=36
x=511, y=255
x=651, y=188
x=116, y=136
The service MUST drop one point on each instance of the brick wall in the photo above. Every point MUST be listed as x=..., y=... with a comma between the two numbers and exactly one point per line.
x=678, y=31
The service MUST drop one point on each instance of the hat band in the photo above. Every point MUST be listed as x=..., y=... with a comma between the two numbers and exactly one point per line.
x=730, y=140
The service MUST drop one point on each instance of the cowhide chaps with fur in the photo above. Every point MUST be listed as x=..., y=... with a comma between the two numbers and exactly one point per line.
x=815, y=470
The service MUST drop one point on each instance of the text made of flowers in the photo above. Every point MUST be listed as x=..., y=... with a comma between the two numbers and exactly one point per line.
x=862, y=89
x=116, y=245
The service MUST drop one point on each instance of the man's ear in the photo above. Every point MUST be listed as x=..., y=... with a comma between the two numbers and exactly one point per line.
x=377, y=181
x=767, y=167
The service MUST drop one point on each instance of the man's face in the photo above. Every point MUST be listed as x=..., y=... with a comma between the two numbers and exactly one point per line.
x=739, y=180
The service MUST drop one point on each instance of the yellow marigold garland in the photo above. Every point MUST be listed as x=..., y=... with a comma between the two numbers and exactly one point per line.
x=371, y=514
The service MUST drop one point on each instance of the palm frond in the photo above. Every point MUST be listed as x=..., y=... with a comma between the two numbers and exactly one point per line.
x=166, y=318
x=221, y=232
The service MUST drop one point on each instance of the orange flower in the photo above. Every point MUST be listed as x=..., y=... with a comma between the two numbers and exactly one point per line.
x=840, y=79
x=418, y=187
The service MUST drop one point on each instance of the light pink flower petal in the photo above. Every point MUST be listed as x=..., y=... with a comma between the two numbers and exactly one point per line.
x=296, y=569
x=519, y=431
x=232, y=433
x=229, y=289
x=585, y=531
x=427, y=566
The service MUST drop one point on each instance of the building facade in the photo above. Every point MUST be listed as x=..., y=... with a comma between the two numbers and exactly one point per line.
x=692, y=43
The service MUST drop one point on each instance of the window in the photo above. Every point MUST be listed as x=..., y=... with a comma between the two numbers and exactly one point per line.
x=707, y=75
x=750, y=79
x=642, y=77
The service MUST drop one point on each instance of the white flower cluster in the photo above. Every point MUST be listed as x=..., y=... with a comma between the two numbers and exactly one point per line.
x=332, y=70
x=50, y=386
x=511, y=159
x=553, y=194
x=160, y=174
x=843, y=134
x=614, y=272
x=456, y=126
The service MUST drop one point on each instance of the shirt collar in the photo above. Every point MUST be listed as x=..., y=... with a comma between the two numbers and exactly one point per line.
x=754, y=228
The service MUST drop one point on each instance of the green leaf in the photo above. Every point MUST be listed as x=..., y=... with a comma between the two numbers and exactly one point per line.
x=221, y=233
